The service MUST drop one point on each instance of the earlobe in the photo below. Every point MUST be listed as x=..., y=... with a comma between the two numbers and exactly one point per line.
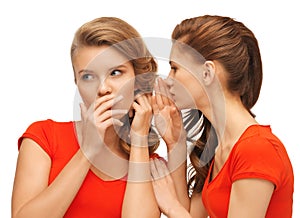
x=208, y=72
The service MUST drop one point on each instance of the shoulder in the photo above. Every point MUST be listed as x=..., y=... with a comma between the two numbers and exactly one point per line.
x=43, y=132
x=48, y=123
x=259, y=154
x=260, y=140
x=46, y=126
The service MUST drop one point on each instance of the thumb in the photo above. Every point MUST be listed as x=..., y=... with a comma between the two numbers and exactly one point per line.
x=174, y=112
x=154, y=105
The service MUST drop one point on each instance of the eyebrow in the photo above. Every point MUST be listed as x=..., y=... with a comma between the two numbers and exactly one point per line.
x=109, y=70
x=116, y=67
x=85, y=71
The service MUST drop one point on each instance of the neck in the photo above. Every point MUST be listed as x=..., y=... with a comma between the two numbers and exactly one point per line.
x=230, y=119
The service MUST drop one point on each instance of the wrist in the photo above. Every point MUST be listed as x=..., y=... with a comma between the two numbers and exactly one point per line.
x=178, y=145
x=177, y=210
x=138, y=139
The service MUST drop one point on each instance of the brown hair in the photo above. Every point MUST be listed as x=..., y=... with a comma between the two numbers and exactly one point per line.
x=233, y=45
x=112, y=31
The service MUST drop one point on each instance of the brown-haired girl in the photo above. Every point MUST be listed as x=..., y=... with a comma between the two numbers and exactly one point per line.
x=217, y=60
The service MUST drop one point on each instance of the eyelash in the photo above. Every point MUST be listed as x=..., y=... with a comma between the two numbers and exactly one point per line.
x=112, y=72
x=84, y=76
x=174, y=69
x=89, y=76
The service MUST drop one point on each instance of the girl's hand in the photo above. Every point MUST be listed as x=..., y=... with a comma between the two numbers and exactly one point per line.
x=142, y=119
x=95, y=121
x=143, y=114
x=163, y=187
x=167, y=117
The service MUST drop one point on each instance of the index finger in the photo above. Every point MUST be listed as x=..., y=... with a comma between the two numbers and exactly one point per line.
x=163, y=89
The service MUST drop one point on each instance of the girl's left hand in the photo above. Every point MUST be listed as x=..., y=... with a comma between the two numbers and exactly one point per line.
x=142, y=117
x=163, y=186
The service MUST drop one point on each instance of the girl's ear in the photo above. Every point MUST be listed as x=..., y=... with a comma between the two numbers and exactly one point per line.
x=208, y=73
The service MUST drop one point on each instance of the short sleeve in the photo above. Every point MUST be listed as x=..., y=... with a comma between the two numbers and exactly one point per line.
x=256, y=158
x=40, y=132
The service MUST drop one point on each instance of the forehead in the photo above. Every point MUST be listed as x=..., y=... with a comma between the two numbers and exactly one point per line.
x=98, y=58
x=187, y=57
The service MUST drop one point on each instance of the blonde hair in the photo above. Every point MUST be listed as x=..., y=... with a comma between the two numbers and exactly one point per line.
x=112, y=31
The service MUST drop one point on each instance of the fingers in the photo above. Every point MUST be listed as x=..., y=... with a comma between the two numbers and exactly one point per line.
x=114, y=99
x=110, y=114
x=163, y=95
x=105, y=103
x=167, y=99
x=142, y=102
x=159, y=169
x=101, y=114
x=158, y=96
x=154, y=104
x=154, y=172
x=143, y=115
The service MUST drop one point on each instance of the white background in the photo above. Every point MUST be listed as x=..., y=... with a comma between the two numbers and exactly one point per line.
x=36, y=78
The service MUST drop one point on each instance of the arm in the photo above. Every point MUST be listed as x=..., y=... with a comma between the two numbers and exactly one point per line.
x=165, y=192
x=177, y=164
x=197, y=209
x=32, y=197
x=250, y=198
x=139, y=199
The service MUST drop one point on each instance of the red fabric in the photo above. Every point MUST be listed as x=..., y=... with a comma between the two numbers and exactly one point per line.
x=96, y=198
x=257, y=154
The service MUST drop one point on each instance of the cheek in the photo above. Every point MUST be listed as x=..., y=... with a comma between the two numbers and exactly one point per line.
x=88, y=95
x=186, y=92
x=182, y=96
x=126, y=90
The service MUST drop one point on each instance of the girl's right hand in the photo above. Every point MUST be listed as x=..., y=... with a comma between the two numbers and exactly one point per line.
x=167, y=117
x=95, y=121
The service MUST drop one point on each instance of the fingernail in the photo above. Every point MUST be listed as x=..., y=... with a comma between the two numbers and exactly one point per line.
x=119, y=111
x=118, y=98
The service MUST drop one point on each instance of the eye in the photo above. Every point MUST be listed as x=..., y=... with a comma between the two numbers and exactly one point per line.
x=115, y=73
x=87, y=77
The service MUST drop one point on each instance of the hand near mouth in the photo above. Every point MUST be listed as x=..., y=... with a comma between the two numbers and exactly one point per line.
x=167, y=117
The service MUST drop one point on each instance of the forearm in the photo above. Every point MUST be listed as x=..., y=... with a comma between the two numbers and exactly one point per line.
x=139, y=200
x=57, y=197
x=177, y=165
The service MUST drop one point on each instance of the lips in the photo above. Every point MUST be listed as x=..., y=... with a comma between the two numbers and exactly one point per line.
x=172, y=93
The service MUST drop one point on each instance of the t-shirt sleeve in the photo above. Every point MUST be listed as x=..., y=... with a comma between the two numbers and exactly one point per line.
x=40, y=132
x=256, y=158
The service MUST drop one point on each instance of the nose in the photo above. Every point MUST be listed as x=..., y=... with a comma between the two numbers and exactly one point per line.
x=104, y=88
x=171, y=74
x=169, y=81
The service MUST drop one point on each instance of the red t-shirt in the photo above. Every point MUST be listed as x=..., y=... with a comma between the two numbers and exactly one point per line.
x=257, y=154
x=95, y=198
